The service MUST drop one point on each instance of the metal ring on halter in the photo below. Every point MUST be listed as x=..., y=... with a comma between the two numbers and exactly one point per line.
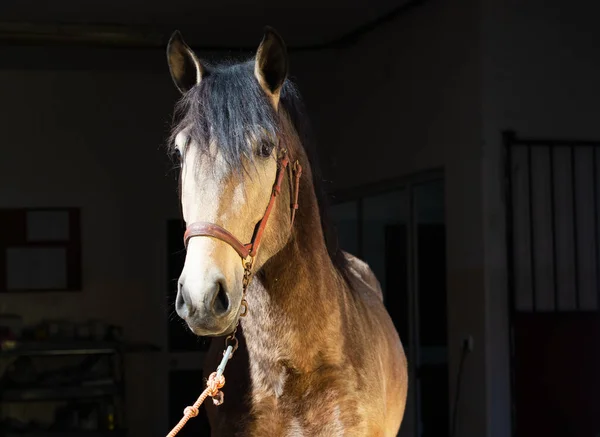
x=234, y=342
x=247, y=262
x=244, y=305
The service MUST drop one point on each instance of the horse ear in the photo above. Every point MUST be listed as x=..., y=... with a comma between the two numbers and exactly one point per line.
x=271, y=65
x=184, y=65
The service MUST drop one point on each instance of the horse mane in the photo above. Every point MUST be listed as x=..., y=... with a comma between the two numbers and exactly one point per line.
x=228, y=106
x=293, y=104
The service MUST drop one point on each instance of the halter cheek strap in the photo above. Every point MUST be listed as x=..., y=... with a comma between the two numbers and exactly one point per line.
x=205, y=229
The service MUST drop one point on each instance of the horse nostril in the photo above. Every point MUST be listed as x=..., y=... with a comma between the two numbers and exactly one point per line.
x=220, y=302
x=182, y=301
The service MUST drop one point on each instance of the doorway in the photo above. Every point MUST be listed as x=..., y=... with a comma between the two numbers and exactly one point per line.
x=398, y=228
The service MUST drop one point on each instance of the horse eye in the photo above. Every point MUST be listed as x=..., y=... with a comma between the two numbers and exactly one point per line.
x=265, y=149
x=178, y=154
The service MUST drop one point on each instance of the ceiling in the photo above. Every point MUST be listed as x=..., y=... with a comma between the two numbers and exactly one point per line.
x=218, y=24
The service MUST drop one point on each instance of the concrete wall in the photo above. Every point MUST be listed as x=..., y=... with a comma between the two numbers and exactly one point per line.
x=540, y=77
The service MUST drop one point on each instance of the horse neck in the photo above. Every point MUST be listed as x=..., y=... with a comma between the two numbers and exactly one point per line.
x=294, y=302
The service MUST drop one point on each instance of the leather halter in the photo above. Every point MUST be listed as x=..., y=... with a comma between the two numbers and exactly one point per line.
x=206, y=229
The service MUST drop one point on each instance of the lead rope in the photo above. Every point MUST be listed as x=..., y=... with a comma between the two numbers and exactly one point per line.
x=216, y=380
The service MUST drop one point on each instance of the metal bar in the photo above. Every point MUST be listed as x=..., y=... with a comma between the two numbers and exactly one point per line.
x=385, y=185
x=413, y=246
x=596, y=246
x=412, y=344
x=531, y=235
x=148, y=37
x=508, y=138
x=359, y=227
x=526, y=142
x=119, y=403
x=575, y=233
x=553, y=225
x=509, y=216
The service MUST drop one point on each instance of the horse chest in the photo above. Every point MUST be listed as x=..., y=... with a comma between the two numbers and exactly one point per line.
x=297, y=406
x=315, y=419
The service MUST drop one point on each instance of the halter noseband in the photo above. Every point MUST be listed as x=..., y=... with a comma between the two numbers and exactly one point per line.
x=248, y=251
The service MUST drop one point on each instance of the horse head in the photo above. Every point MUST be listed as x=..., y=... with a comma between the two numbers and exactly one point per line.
x=234, y=144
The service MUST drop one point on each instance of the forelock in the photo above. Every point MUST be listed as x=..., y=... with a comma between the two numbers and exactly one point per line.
x=227, y=108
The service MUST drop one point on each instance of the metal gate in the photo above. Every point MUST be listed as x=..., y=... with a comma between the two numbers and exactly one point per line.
x=552, y=237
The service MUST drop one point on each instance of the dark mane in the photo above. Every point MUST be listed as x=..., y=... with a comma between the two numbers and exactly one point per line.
x=228, y=105
x=292, y=102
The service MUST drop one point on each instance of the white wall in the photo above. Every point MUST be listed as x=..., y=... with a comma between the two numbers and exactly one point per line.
x=540, y=68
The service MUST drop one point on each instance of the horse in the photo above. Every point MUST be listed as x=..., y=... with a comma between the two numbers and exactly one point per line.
x=316, y=352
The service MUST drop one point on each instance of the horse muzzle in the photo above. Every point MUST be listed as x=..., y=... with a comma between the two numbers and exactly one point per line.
x=207, y=307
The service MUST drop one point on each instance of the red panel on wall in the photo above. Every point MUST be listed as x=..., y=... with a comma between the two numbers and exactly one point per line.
x=557, y=374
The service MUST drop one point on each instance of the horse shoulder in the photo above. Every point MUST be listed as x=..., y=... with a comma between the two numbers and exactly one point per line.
x=385, y=346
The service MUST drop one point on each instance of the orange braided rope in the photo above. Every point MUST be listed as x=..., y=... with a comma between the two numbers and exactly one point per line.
x=213, y=386
x=215, y=383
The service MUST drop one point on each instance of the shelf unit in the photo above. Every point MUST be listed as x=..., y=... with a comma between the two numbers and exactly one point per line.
x=67, y=434
x=84, y=390
x=39, y=348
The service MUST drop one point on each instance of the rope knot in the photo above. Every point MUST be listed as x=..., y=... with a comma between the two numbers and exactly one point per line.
x=214, y=384
x=191, y=411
